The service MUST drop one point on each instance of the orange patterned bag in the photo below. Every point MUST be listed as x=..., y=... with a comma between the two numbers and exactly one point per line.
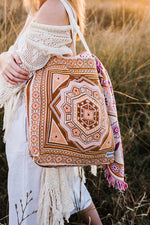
x=72, y=115
x=68, y=124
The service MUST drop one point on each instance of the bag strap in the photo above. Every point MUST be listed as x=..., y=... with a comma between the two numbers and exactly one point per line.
x=75, y=25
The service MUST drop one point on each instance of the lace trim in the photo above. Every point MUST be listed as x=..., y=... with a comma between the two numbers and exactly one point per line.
x=51, y=28
x=40, y=44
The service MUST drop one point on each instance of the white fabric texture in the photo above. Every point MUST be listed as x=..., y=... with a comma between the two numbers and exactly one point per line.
x=41, y=41
x=24, y=175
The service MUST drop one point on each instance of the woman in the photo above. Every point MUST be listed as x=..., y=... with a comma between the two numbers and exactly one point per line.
x=48, y=31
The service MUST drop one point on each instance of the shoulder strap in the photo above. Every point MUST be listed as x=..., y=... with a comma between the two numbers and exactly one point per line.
x=74, y=24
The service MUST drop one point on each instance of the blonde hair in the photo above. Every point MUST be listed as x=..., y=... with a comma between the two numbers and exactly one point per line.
x=78, y=5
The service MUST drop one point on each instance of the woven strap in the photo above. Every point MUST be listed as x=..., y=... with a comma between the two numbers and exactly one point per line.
x=74, y=24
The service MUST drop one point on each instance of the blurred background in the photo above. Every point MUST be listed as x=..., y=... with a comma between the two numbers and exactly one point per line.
x=118, y=32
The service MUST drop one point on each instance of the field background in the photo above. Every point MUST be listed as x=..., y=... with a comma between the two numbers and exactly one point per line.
x=118, y=32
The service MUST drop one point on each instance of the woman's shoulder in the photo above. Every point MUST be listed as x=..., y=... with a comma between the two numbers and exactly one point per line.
x=52, y=12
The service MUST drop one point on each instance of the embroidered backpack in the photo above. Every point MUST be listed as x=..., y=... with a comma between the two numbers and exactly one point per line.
x=68, y=122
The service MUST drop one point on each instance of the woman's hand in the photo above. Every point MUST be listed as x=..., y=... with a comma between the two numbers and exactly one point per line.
x=10, y=69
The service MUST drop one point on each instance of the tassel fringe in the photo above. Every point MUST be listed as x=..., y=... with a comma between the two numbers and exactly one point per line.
x=117, y=184
x=81, y=174
x=55, y=202
x=94, y=170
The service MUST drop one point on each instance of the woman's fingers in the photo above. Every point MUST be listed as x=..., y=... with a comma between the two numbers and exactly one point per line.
x=17, y=58
x=17, y=75
x=8, y=79
x=12, y=71
x=18, y=69
x=11, y=79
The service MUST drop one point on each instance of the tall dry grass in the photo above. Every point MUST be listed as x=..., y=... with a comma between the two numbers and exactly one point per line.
x=118, y=32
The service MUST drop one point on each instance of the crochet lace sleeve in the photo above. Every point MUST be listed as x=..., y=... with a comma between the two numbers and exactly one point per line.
x=41, y=41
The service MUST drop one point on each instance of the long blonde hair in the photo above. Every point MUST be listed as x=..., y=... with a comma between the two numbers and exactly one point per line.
x=78, y=5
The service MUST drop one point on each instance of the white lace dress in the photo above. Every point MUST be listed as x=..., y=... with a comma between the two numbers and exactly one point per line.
x=24, y=177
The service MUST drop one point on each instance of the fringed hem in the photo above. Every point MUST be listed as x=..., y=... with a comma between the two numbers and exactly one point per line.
x=55, y=202
x=117, y=184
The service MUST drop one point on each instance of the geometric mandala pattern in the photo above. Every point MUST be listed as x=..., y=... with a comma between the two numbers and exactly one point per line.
x=83, y=114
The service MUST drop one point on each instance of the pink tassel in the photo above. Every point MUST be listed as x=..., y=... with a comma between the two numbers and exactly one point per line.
x=117, y=184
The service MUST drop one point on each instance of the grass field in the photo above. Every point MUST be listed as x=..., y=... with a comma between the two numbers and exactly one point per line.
x=118, y=32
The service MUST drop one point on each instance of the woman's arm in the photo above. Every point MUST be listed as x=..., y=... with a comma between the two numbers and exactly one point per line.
x=52, y=12
x=10, y=62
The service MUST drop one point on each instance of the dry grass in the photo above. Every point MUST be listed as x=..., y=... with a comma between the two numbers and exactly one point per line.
x=118, y=32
